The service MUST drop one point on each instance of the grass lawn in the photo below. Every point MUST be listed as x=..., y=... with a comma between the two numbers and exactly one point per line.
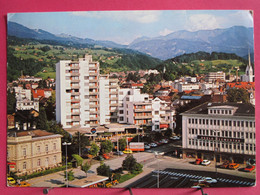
x=127, y=177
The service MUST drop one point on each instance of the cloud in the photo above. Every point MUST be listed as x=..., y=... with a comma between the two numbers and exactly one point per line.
x=136, y=16
x=165, y=32
x=202, y=22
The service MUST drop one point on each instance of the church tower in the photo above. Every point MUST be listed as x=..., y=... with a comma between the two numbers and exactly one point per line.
x=249, y=70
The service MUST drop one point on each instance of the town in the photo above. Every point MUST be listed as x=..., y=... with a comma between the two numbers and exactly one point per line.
x=131, y=128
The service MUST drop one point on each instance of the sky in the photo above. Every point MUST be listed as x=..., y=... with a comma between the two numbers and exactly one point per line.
x=125, y=26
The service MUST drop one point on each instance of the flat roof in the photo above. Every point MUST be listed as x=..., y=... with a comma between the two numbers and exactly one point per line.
x=88, y=181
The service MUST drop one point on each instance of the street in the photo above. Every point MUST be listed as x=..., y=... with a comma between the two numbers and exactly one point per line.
x=169, y=167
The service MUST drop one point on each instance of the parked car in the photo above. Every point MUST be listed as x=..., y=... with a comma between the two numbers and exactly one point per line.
x=224, y=165
x=201, y=185
x=205, y=162
x=100, y=158
x=164, y=141
x=153, y=145
x=233, y=166
x=198, y=161
x=127, y=151
x=249, y=168
x=147, y=147
x=120, y=153
x=175, y=138
x=11, y=180
x=105, y=156
x=23, y=184
x=208, y=180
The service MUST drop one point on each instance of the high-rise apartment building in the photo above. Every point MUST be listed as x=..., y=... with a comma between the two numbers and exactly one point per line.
x=77, y=92
x=84, y=97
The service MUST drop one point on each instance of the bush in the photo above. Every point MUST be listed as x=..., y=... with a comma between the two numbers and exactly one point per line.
x=45, y=172
x=138, y=168
x=117, y=176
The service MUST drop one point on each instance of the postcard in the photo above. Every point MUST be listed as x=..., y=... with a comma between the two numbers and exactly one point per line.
x=139, y=99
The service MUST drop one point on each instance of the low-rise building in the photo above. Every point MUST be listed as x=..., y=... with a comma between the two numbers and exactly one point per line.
x=32, y=151
x=225, y=131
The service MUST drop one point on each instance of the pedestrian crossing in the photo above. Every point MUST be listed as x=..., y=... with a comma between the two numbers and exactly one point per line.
x=223, y=180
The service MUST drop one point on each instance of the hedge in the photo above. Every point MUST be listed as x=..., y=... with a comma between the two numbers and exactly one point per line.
x=45, y=172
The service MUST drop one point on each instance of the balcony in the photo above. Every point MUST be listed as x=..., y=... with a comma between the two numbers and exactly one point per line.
x=76, y=119
x=143, y=110
x=144, y=117
x=93, y=80
x=75, y=113
x=93, y=118
x=93, y=67
x=113, y=105
x=93, y=73
x=93, y=99
x=75, y=100
x=113, y=92
x=113, y=86
x=74, y=80
x=75, y=106
x=75, y=93
x=74, y=67
x=114, y=98
x=93, y=105
x=93, y=86
x=74, y=86
x=93, y=93
x=74, y=73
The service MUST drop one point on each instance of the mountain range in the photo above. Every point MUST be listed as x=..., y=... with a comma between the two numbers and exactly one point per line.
x=236, y=39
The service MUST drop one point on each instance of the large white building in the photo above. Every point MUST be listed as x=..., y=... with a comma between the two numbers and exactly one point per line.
x=214, y=76
x=84, y=98
x=226, y=130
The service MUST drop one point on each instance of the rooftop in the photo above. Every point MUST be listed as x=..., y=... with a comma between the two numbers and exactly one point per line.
x=242, y=109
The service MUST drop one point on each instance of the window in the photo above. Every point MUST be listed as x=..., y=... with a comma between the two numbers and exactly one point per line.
x=54, y=159
x=121, y=118
x=54, y=146
x=39, y=149
x=242, y=123
x=24, y=151
x=199, y=121
x=189, y=120
x=24, y=165
x=46, y=148
x=156, y=112
x=247, y=135
x=39, y=162
x=121, y=111
x=238, y=123
x=234, y=123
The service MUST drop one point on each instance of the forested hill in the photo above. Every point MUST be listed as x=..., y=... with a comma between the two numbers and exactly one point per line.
x=38, y=57
x=201, y=63
x=186, y=58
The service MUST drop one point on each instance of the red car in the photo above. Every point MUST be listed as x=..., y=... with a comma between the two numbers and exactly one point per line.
x=198, y=161
x=105, y=156
x=249, y=168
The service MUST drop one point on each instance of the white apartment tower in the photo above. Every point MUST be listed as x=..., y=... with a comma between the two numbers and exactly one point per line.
x=84, y=98
x=77, y=92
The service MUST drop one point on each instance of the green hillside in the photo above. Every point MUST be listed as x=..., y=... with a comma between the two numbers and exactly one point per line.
x=202, y=63
x=38, y=58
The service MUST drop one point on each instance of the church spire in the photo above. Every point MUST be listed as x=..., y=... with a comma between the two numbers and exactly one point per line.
x=249, y=59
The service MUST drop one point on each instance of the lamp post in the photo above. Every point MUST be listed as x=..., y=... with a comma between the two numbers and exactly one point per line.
x=158, y=174
x=66, y=144
x=215, y=149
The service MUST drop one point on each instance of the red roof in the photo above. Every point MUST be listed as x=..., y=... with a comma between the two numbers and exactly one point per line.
x=242, y=85
x=138, y=84
x=37, y=93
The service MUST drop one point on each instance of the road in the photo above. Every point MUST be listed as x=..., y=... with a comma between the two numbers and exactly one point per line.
x=166, y=163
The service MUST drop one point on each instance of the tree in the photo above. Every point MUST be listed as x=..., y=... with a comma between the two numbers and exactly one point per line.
x=50, y=107
x=168, y=132
x=78, y=159
x=104, y=170
x=129, y=163
x=85, y=168
x=70, y=175
x=42, y=120
x=11, y=102
x=79, y=142
x=122, y=144
x=237, y=95
x=94, y=149
x=106, y=146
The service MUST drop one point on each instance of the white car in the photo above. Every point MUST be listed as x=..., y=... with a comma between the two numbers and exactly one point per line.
x=153, y=145
x=205, y=162
x=175, y=138
x=208, y=180
x=147, y=147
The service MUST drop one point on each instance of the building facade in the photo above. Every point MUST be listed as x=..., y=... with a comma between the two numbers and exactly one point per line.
x=225, y=131
x=32, y=151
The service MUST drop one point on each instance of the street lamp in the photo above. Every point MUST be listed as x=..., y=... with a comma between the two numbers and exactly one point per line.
x=215, y=149
x=158, y=179
x=66, y=144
